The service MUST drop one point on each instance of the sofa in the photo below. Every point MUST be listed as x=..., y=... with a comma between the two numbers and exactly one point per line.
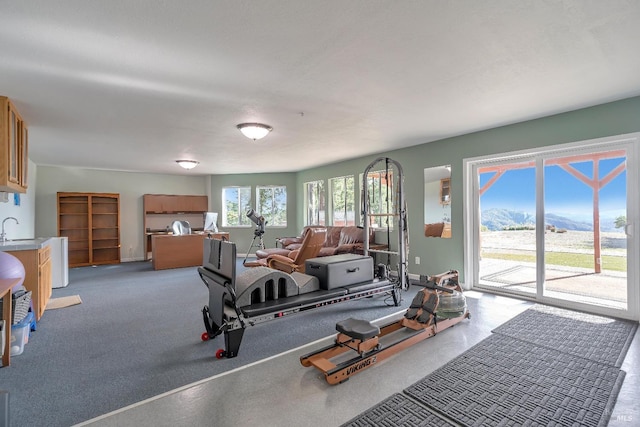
x=338, y=240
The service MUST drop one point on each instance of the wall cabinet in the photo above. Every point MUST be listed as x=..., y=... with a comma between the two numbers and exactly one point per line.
x=14, y=156
x=91, y=221
x=172, y=204
x=37, y=279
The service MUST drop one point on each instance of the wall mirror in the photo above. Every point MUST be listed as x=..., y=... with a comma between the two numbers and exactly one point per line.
x=437, y=201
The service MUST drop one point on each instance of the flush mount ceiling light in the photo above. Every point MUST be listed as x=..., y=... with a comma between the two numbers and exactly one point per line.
x=254, y=131
x=187, y=164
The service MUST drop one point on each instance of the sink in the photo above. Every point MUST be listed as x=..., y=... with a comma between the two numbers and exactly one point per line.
x=10, y=244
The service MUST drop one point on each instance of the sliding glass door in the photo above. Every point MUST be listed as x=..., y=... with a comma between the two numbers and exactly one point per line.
x=585, y=243
x=507, y=196
x=555, y=225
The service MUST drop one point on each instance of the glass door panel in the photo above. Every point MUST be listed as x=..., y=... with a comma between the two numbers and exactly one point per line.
x=507, y=236
x=585, y=245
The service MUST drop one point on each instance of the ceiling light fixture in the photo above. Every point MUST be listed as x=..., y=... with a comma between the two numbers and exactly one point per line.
x=187, y=164
x=254, y=131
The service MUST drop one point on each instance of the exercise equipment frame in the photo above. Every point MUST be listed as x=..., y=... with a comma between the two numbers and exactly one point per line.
x=227, y=318
x=223, y=315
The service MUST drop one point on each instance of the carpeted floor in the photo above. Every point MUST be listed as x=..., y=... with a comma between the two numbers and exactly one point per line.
x=136, y=335
x=536, y=369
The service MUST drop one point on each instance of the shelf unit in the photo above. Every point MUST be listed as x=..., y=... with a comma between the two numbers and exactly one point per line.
x=91, y=221
x=445, y=191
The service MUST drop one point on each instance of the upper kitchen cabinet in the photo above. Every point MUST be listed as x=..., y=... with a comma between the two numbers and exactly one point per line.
x=14, y=156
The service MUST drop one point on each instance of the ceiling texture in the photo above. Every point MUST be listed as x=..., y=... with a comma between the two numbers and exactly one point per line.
x=134, y=85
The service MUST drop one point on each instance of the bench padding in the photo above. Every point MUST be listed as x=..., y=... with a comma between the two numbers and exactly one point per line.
x=357, y=328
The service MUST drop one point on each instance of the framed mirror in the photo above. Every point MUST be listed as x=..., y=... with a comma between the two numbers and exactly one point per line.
x=437, y=201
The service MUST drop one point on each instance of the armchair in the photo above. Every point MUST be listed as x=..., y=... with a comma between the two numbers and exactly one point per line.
x=295, y=261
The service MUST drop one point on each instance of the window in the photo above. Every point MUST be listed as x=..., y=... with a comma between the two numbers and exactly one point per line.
x=342, y=199
x=381, y=199
x=272, y=204
x=315, y=202
x=236, y=201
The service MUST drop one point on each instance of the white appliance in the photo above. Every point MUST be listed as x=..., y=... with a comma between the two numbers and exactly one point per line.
x=59, y=262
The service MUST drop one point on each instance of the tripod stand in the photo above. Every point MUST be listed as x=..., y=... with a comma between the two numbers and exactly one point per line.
x=260, y=245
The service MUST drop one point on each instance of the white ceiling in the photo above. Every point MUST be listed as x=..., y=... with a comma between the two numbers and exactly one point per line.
x=136, y=84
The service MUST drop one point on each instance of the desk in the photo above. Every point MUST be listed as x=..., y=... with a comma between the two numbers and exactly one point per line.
x=172, y=251
x=5, y=293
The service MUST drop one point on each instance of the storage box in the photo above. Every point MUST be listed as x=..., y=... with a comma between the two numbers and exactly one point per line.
x=19, y=337
x=20, y=303
x=30, y=319
x=340, y=270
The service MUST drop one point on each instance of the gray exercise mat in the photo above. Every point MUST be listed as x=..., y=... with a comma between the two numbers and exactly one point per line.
x=505, y=381
x=398, y=411
x=597, y=338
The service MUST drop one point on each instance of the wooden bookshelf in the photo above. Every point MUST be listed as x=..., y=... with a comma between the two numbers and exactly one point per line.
x=91, y=221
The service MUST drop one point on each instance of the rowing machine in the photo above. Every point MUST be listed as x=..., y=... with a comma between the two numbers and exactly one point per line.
x=422, y=320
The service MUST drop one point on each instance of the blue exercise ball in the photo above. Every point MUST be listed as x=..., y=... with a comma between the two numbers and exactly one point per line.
x=11, y=268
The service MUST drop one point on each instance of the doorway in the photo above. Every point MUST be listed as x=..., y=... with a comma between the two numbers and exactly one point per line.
x=555, y=225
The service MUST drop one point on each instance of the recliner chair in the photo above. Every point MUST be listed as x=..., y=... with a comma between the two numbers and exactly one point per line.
x=295, y=261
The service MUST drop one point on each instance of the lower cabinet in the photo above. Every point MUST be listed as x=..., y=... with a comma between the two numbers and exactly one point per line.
x=37, y=279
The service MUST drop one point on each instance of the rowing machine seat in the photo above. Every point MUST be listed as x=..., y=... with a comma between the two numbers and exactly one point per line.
x=357, y=328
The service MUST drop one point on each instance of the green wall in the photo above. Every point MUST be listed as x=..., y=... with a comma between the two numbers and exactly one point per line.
x=243, y=237
x=438, y=255
x=131, y=187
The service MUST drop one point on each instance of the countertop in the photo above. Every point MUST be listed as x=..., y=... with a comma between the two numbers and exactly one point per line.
x=24, y=244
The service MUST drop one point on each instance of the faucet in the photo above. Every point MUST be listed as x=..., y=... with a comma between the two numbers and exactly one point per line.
x=3, y=236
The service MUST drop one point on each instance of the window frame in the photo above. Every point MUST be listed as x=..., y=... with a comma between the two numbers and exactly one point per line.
x=269, y=214
x=243, y=221
x=347, y=202
x=381, y=212
x=319, y=209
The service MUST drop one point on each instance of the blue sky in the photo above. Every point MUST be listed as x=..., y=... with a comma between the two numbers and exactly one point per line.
x=564, y=194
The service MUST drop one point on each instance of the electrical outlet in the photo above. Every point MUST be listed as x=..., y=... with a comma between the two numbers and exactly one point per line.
x=417, y=260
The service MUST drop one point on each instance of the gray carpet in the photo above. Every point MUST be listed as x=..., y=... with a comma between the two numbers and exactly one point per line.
x=562, y=372
x=580, y=334
x=136, y=335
